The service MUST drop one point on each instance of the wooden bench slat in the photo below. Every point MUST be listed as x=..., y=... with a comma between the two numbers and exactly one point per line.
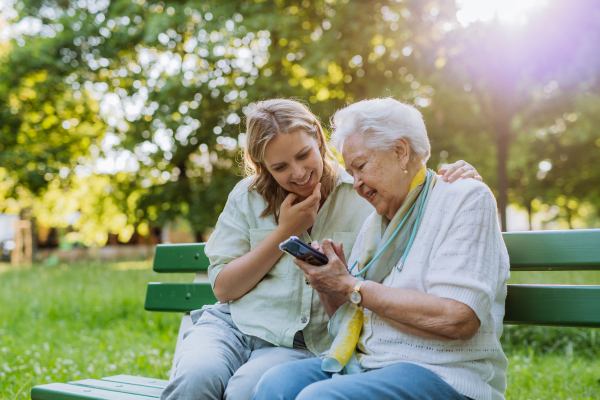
x=553, y=305
x=525, y=304
x=576, y=250
x=187, y=257
x=529, y=251
x=138, y=380
x=183, y=297
x=63, y=391
x=119, y=387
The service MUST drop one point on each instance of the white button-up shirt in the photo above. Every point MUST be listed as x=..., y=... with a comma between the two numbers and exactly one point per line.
x=282, y=303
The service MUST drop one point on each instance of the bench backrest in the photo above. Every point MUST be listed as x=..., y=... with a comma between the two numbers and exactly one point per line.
x=558, y=305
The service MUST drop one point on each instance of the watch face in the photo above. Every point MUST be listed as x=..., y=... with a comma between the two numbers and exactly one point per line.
x=355, y=297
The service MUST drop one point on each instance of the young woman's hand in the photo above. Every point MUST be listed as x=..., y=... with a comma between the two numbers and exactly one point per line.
x=297, y=218
x=460, y=169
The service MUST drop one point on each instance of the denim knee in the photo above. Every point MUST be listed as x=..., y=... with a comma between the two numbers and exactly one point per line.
x=198, y=380
x=269, y=386
x=319, y=390
x=286, y=381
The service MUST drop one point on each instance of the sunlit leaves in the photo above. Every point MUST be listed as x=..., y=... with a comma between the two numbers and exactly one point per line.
x=156, y=91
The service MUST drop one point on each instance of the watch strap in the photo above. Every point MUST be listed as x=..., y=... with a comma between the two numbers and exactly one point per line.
x=357, y=286
x=355, y=296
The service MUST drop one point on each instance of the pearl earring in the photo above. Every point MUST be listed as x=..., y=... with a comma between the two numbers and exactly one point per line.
x=406, y=171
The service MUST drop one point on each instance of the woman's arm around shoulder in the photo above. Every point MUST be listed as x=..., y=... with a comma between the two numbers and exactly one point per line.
x=460, y=169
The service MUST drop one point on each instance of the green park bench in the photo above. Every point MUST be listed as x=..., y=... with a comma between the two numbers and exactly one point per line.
x=552, y=305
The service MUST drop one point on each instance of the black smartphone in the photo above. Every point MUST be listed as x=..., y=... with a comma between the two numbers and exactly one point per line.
x=297, y=248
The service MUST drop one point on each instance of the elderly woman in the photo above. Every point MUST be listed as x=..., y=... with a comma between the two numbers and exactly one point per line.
x=419, y=316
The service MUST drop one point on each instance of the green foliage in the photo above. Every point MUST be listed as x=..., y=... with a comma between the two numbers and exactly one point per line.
x=46, y=124
x=529, y=83
x=157, y=91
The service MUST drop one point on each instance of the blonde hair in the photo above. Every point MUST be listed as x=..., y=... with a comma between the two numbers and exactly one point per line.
x=267, y=119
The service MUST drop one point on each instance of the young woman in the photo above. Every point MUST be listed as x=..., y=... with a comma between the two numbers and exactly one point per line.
x=267, y=313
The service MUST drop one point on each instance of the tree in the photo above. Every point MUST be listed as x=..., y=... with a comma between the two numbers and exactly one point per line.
x=513, y=73
x=170, y=83
x=157, y=92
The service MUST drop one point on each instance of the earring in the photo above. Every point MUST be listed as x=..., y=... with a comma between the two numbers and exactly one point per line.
x=406, y=171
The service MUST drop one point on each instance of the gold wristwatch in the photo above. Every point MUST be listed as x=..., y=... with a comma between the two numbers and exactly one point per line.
x=355, y=297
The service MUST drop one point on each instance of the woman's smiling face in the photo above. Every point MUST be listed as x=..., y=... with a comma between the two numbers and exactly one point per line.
x=378, y=174
x=295, y=162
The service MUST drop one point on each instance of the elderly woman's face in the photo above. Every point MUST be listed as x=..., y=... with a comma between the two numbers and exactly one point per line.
x=378, y=174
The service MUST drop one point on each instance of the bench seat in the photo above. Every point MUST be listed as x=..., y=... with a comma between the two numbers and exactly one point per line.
x=118, y=387
x=551, y=305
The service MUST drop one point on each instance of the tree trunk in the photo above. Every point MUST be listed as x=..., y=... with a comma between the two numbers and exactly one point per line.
x=529, y=216
x=499, y=110
x=502, y=127
x=570, y=214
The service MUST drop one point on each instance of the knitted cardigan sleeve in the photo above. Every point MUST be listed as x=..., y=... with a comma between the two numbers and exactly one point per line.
x=464, y=260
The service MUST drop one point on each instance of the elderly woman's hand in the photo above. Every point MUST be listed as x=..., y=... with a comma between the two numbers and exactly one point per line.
x=460, y=169
x=332, y=281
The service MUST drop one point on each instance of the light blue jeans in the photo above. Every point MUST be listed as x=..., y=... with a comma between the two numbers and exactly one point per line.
x=216, y=361
x=304, y=380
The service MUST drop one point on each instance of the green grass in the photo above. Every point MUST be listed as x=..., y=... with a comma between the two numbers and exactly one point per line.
x=65, y=323
x=82, y=321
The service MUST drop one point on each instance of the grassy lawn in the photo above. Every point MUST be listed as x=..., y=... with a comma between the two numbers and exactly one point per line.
x=87, y=321
x=81, y=321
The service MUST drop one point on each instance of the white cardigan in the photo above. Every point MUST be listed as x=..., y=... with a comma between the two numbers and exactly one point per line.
x=458, y=253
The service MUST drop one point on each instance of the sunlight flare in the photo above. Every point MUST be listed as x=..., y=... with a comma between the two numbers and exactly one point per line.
x=507, y=11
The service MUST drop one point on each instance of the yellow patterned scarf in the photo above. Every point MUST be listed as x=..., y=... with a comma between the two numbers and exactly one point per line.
x=346, y=323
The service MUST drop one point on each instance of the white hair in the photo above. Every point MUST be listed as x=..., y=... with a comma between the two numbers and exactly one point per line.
x=381, y=122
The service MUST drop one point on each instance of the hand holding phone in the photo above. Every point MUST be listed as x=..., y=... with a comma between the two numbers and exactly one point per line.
x=297, y=248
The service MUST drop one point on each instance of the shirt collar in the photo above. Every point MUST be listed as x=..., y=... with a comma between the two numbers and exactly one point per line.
x=344, y=177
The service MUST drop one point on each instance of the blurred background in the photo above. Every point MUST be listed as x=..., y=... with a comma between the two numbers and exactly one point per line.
x=121, y=121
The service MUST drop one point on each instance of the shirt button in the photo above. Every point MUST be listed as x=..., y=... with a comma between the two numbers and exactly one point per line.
x=303, y=320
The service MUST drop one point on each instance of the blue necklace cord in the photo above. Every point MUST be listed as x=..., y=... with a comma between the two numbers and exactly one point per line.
x=414, y=232
x=410, y=241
